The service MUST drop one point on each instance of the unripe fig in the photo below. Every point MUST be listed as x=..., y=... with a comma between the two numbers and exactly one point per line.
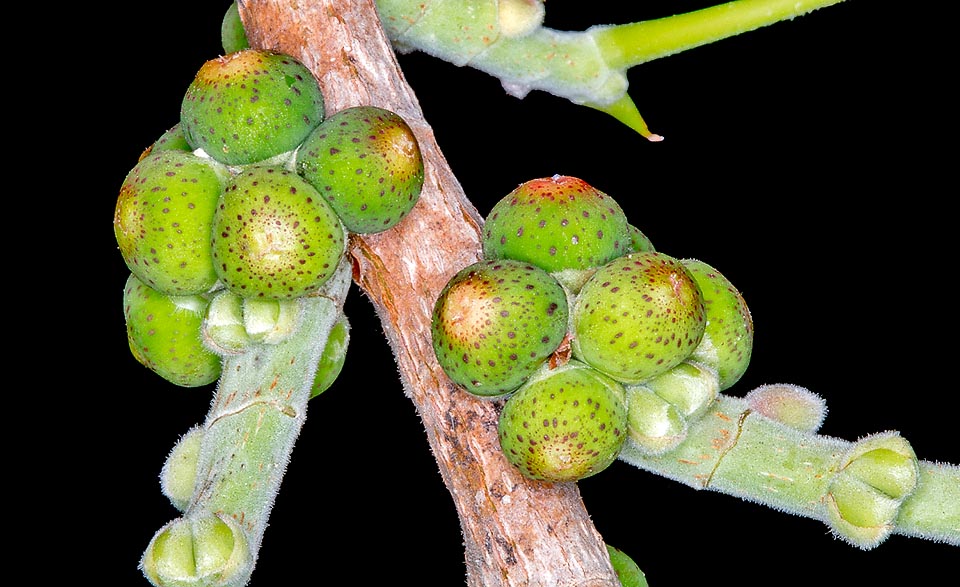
x=628, y=572
x=171, y=140
x=639, y=241
x=333, y=358
x=366, y=162
x=250, y=105
x=164, y=334
x=163, y=218
x=274, y=236
x=559, y=223
x=728, y=336
x=495, y=322
x=564, y=424
x=638, y=316
x=233, y=36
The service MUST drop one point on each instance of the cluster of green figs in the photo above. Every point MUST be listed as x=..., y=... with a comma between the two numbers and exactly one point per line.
x=246, y=205
x=589, y=336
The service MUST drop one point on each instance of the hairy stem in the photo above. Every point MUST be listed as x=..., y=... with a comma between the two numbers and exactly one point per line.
x=735, y=450
x=241, y=451
x=586, y=67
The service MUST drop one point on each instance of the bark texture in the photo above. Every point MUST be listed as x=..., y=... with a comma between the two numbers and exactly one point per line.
x=516, y=531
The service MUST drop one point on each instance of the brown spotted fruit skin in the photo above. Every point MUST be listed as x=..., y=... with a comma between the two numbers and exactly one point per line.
x=163, y=220
x=727, y=343
x=557, y=223
x=163, y=333
x=638, y=316
x=564, y=424
x=495, y=322
x=274, y=237
x=367, y=163
x=250, y=105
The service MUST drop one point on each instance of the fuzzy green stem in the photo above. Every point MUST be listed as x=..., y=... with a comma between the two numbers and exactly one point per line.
x=586, y=67
x=735, y=450
x=244, y=447
x=626, y=45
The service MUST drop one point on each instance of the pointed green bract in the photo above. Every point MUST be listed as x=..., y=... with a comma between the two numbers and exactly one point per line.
x=250, y=105
x=163, y=218
x=366, y=162
x=274, y=236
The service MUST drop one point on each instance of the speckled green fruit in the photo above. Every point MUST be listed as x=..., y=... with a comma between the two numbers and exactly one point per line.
x=627, y=570
x=727, y=343
x=557, y=223
x=639, y=241
x=495, y=322
x=250, y=105
x=171, y=140
x=638, y=316
x=564, y=424
x=274, y=237
x=367, y=163
x=163, y=218
x=164, y=334
x=233, y=36
x=333, y=358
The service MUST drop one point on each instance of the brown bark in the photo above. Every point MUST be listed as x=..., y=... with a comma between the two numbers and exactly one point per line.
x=516, y=531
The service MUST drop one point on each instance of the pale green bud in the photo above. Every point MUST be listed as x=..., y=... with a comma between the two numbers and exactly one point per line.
x=223, y=328
x=203, y=550
x=653, y=424
x=789, y=404
x=690, y=387
x=874, y=477
x=519, y=17
x=270, y=321
x=180, y=469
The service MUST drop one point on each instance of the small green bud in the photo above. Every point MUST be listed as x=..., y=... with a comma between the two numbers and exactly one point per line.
x=223, y=329
x=519, y=17
x=795, y=406
x=180, y=469
x=858, y=513
x=206, y=549
x=270, y=321
x=654, y=425
x=886, y=462
x=690, y=387
x=873, y=479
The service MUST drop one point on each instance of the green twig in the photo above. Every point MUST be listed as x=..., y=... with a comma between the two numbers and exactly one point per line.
x=225, y=474
x=586, y=67
x=864, y=490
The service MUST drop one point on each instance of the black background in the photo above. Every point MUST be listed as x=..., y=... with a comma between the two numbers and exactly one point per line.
x=809, y=161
